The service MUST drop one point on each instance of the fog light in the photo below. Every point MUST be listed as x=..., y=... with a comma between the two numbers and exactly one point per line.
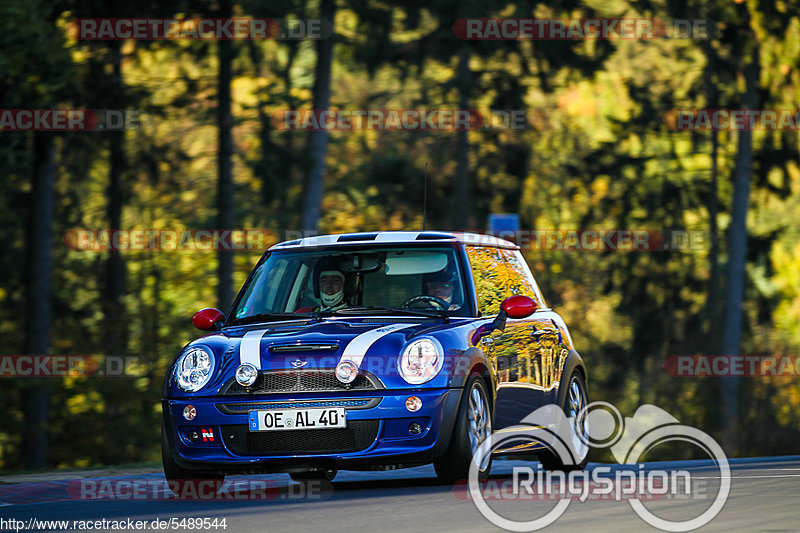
x=346, y=372
x=413, y=404
x=189, y=412
x=414, y=428
x=246, y=374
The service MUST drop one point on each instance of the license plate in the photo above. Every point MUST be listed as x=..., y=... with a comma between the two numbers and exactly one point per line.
x=286, y=419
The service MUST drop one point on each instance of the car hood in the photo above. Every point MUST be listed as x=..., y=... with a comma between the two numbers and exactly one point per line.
x=373, y=344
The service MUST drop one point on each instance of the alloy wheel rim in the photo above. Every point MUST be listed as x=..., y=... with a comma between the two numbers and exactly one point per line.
x=576, y=404
x=480, y=420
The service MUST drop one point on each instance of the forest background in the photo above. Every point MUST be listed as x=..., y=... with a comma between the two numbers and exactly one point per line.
x=597, y=153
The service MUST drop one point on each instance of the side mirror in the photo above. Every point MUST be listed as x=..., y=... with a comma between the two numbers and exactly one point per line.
x=512, y=307
x=519, y=306
x=208, y=319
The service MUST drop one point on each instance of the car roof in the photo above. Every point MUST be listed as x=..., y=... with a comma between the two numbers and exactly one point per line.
x=395, y=237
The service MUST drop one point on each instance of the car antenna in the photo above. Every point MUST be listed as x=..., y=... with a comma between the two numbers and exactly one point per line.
x=425, y=198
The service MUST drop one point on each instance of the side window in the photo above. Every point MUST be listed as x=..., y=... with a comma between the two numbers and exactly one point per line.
x=520, y=278
x=490, y=274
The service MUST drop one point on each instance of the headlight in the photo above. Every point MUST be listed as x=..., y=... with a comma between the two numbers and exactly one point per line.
x=246, y=374
x=346, y=371
x=193, y=368
x=420, y=361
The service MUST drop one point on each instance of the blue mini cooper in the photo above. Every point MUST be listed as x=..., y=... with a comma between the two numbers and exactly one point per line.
x=369, y=351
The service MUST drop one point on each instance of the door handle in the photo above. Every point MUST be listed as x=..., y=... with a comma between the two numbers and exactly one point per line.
x=539, y=332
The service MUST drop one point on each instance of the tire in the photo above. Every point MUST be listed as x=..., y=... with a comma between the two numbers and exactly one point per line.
x=575, y=401
x=186, y=483
x=473, y=425
x=314, y=475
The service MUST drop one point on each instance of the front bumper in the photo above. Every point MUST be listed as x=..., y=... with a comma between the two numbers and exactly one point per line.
x=378, y=435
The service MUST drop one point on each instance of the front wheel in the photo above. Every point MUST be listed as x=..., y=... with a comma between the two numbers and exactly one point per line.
x=473, y=426
x=574, y=408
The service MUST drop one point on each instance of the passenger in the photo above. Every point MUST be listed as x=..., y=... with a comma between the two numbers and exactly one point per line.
x=442, y=285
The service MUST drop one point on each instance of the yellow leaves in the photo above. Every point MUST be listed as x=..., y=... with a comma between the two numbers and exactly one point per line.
x=577, y=101
x=85, y=403
x=599, y=189
x=786, y=317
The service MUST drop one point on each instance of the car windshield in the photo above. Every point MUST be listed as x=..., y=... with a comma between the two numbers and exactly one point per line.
x=380, y=280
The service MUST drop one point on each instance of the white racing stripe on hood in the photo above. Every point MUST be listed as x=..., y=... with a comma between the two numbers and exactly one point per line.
x=357, y=348
x=250, y=348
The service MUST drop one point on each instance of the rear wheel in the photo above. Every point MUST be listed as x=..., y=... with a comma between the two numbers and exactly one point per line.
x=184, y=483
x=473, y=426
x=574, y=407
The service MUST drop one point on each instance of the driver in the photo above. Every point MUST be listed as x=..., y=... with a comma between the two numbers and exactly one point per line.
x=331, y=291
x=331, y=288
x=442, y=285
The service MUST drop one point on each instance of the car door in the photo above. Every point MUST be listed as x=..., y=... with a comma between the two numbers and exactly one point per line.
x=547, y=332
x=509, y=351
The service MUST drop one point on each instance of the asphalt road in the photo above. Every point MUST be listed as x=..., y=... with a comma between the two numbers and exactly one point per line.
x=764, y=497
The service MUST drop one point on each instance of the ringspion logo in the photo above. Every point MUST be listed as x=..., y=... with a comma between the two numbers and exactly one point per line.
x=598, y=425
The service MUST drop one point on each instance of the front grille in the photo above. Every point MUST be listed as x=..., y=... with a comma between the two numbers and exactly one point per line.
x=239, y=408
x=357, y=436
x=313, y=380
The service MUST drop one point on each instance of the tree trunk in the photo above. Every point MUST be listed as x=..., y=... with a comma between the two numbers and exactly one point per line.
x=712, y=296
x=460, y=212
x=737, y=248
x=286, y=203
x=39, y=298
x=224, y=164
x=114, y=310
x=318, y=140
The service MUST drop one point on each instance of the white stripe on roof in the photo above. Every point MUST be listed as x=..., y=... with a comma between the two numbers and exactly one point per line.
x=407, y=237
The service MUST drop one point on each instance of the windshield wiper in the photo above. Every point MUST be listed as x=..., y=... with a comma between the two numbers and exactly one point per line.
x=268, y=317
x=432, y=313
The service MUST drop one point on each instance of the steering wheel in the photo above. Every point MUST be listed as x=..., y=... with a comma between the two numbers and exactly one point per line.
x=441, y=304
